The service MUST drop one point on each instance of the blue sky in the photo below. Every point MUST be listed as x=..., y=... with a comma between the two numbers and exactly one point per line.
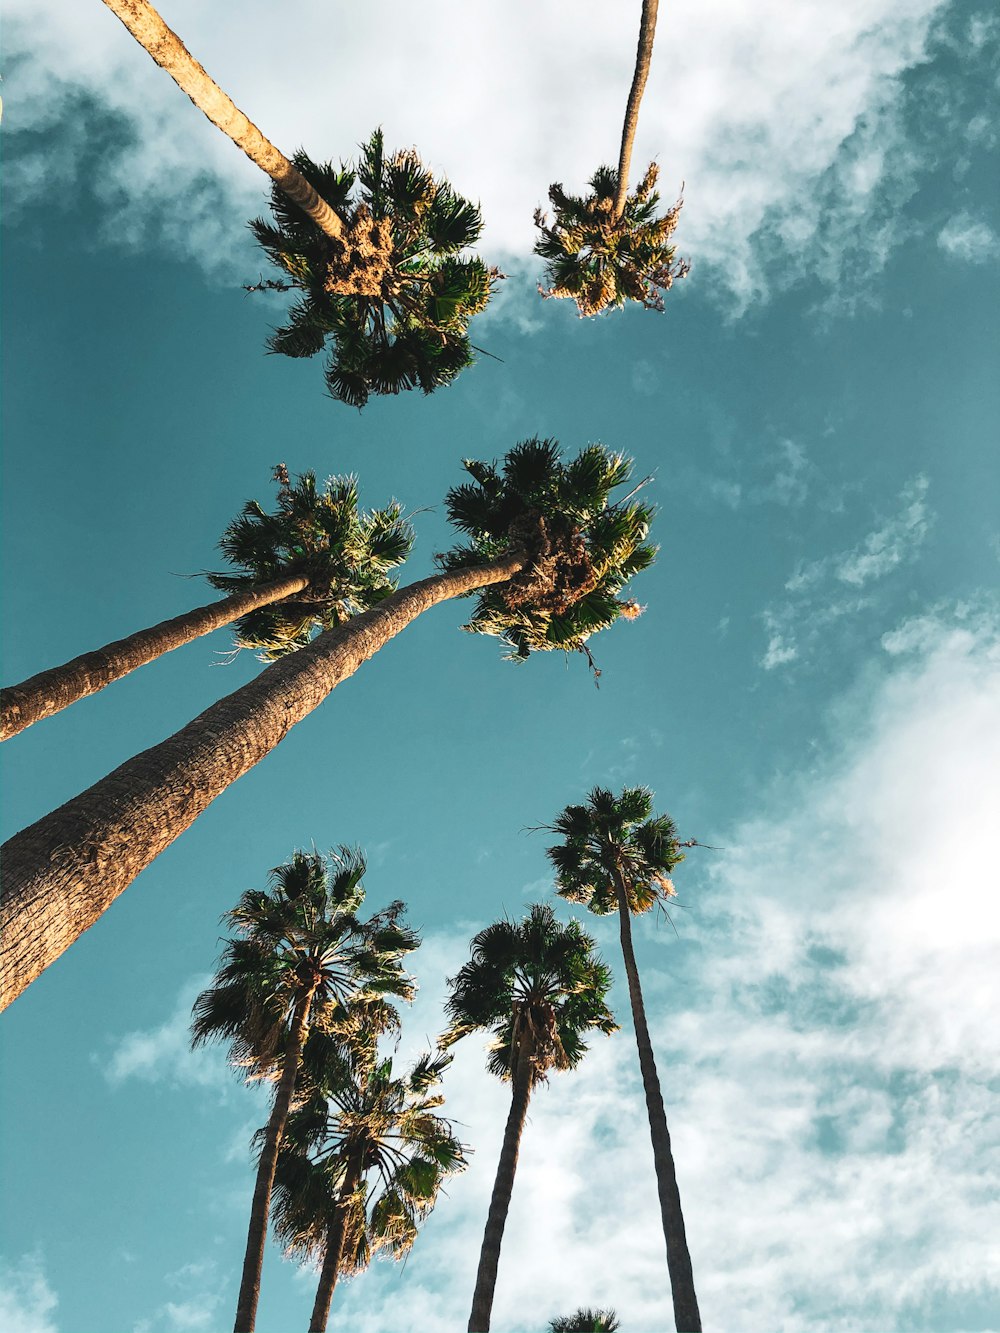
x=814, y=687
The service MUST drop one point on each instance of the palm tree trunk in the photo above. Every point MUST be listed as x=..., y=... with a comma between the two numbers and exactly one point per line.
x=253, y=1261
x=643, y=59
x=53, y=690
x=334, y=1251
x=489, y=1257
x=170, y=53
x=686, y=1316
x=62, y=872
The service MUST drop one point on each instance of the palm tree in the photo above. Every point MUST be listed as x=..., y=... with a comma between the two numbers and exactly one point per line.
x=564, y=556
x=617, y=857
x=304, y=568
x=610, y=247
x=407, y=328
x=300, y=958
x=383, y=275
x=585, y=1320
x=364, y=1160
x=537, y=987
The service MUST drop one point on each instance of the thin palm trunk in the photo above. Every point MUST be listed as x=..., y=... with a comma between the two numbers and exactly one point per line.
x=170, y=53
x=489, y=1257
x=643, y=60
x=51, y=691
x=62, y=872
x=253, y=1261
x=686, y=1316
x=334, y=1251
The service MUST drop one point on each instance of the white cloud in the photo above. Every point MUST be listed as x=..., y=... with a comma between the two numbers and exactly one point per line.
x=816, y=601
x=26, y=1299
x=970, y=239
x=826, y=1053
x=785, y=122
x=197, y=1307
x=163, y=1054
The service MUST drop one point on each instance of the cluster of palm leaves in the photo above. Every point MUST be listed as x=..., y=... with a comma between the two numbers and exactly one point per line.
x=393, y=299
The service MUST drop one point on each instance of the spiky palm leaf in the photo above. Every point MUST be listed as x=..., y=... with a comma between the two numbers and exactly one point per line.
x=612, y=832
x=585, y=1320
x=602, y=260
x=583, y=548
x=533, y=985
x=393, y=302
x=321, y=534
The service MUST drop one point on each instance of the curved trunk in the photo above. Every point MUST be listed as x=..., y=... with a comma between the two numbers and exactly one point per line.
x=334, y=1251
x=51, y=691
x=686, y=1316
x=170, y=53
x=643, y=59
x=253, y=1260
x=62, y=872
x=489, y=1256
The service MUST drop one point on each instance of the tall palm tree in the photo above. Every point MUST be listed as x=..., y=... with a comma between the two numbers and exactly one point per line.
x=364, y=1160
x=610, y=247
x=408, y=328
x=616, y=856
x=386, y=281
x=546, y=530
x=307, y=567
x=300, y=958
x=537, y=987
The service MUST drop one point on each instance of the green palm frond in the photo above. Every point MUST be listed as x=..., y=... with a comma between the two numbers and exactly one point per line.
x=582, y=547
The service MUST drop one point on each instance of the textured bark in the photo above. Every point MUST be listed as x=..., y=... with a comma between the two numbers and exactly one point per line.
x=62, y=872
x=334, y=1252
x=489, y=1257
x=170, y=53
x=643, y=60
x=253, y=1261
x=686, y=1316
x=51, y=691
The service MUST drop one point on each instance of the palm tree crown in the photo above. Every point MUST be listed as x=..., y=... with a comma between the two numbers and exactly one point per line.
x=611, y=835
x=582, y=548
x=303, y=935
x=537, y=987
x=394, y=299
x=320, y=533
x=602, y=258
x=585, y=1320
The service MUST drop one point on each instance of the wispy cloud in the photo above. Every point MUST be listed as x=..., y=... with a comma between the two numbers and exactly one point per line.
x=789, y=130
x=27, y=1302
x=163, y=1054
x=970, y=239
x=199, y=1286
x=825, y=591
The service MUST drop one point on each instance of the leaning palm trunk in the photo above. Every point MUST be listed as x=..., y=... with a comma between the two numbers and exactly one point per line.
x=170, y=53
x=62, y=872
x=643, y=59
x=489, y=1257
x=686, y=1316
x=334, y=1251
x=253, y=1261
x=51, y=691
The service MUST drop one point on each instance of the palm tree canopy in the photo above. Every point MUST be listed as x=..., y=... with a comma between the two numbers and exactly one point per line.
x=394, y=299
x=304, y=934
x=535, y=981
x=602, y=260
x=320, y=533
x=585, y=1320
x=609, y=834
x=359, y=1108
x=583, y=549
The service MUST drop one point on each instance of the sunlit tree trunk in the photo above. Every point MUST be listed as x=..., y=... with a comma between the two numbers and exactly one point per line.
x=253, y=1261
x=643, y=59
x=489, y=1258
x=334, y=1250
x=170, y=53
x=51, y=691
x=686, y=1315
x=62, y=872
